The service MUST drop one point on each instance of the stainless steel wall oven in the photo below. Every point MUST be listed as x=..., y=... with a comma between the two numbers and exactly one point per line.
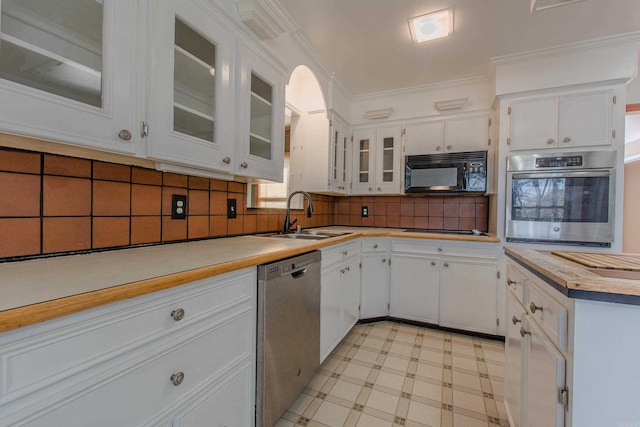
x=563, y=198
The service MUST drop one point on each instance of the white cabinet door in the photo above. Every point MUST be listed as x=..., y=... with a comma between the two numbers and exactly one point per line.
x=350, y=295
x=468, y=295
x=466, y=134
x=68, y=72
x=330, y=310
x=364, y=161
x=339, y=157
x=377, y=160
x=190, y=99
x=513, y=361
x=545, y=378
x=260, y=134
x=585, y=119
x=374, y=292
x=424, y=138
x=534, y=123
x=414, y=288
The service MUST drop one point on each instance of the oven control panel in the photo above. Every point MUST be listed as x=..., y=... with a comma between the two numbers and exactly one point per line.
x=558, y=162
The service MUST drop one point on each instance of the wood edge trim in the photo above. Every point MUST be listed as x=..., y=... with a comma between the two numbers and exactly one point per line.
x=633, y=108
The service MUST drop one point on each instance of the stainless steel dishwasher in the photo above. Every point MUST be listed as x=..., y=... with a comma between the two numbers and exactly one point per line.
x=288, y=341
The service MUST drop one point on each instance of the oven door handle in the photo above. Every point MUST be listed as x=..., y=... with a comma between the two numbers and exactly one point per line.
x=566, y=174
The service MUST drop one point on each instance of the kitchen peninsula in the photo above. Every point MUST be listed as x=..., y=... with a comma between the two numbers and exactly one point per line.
x=572, y=341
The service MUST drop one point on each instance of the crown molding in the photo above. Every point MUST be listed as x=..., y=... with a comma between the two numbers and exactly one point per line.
x=423, y=88
x=266, y=18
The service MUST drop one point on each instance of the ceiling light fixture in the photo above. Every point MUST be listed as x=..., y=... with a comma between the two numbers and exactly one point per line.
x=431, y=26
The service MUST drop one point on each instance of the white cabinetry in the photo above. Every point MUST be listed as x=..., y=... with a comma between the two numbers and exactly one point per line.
x=450, y=135
x=174, y=355
x=68, y=73
x=191, y=86
x=571, y=120
x=375, y=280
x=377, y=155
x=452, y=284
x=340, y=294
x=339, y=157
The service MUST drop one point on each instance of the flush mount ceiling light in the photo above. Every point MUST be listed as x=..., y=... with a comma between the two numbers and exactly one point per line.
x=431, y=26
x=545, y=4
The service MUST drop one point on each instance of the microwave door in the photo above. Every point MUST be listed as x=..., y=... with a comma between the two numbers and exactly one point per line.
x=432, y=177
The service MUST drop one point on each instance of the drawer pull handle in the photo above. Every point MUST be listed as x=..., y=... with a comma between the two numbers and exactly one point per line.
x=433, y=263
x=345, y=253
x=375, y=246
x=178, y=314
x=177, y=378
x=244, y=165
x=446, y=264
x=511, y=282
x=515, y=320
x=566, y=139
x=439, y=249
x=226, y=160
x=534, y=307
x=523, y=332
x=384, y=260
x=125, y=135
x=551, y=141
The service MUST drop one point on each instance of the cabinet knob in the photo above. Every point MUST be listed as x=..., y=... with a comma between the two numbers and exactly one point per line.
x=446, y=264
x=551, y=141
x=437, y=148
x=449, y=147
x=515, y=320
x=244, y=165
x=375, y=246
x=523, y=332
x=124, y=135
x=177, y=378
x=566, y=139
x=370, y=189
x=345, y=253
x=433, y=263
x=178, y=314
x=534, y=307
x=384, y=260
x=226, y=160
x=511, y=282
x=379, y=189
x=439, y=249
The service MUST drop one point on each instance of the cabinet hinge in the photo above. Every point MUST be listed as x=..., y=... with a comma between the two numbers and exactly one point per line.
x=497, y=322
x=389, y=261
x=613, y=134
x=509, y=110
x=489, y=122
x=508, y=141
x=351, y=138
x=615, y=99
x=498, y=274
x=330, y=122
x=144, y=129
x=360, y=265
x=563, y=397
x=358, y=308
x=489, y=142
x=388, y=306
x=403, y=132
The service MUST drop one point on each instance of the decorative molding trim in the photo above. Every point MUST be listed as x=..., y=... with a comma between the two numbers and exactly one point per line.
x=266, y=18
x=453, y=104
x=423, y=88
x=384, y=113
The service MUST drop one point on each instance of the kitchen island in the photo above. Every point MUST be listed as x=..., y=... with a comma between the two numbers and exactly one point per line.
x=572, y=342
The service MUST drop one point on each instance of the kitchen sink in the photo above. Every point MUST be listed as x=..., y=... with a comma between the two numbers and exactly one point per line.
x=305, y=235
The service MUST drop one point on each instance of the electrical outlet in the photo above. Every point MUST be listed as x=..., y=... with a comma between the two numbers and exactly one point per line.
x=365, y=212
x=178, y=206
x=231, y=208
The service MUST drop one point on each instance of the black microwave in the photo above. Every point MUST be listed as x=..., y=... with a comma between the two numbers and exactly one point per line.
x=446, y=173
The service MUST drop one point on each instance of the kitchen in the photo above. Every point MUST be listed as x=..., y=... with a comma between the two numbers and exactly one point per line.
x=111, y=184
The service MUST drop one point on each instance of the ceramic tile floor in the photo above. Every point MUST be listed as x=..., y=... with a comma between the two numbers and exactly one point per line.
x=389, y=374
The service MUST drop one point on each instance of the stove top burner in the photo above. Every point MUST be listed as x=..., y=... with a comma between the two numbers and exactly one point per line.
x=438, y=231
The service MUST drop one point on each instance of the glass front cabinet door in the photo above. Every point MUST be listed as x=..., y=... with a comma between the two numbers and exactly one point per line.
x=260, y=134
x=190, y=96
x=377, y=160
x=67, y=71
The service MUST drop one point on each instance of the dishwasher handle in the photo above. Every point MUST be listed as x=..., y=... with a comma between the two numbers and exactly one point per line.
x=298, y=274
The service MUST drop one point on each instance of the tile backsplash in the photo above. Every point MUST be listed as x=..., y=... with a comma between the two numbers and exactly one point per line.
x=53, y=204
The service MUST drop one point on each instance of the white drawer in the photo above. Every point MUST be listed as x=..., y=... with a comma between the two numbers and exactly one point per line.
x=337, y=253
x=130, y=394
x=516, y=280
x=81, y=341
x=549, y=314
x=445, y=247
x=375, y=244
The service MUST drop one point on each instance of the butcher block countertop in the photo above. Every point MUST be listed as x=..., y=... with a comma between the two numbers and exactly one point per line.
x=599, y=276
x=41, y=289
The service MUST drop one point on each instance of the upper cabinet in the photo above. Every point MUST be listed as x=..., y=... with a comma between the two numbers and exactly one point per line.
x=191, y=87
x=67, y=72
x=339, y=157
x=573, y=120
x=451, y=135
x=260, y=132
x=377, y=156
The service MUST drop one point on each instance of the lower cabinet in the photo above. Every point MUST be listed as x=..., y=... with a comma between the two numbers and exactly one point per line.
x=447, y=283
x=513, y=360
x=139, y=362
x=340, y=294
x=374, y=287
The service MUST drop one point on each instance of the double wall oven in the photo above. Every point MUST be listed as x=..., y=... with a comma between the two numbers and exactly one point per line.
x=563, y=198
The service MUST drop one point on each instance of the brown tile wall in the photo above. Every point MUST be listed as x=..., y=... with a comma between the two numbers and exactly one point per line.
x=51, y=204
x=446, y=212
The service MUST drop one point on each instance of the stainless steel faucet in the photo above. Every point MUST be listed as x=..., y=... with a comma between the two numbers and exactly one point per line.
x=287, y=218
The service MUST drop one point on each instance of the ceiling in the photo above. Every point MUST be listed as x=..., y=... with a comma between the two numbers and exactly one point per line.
x=368, y=45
